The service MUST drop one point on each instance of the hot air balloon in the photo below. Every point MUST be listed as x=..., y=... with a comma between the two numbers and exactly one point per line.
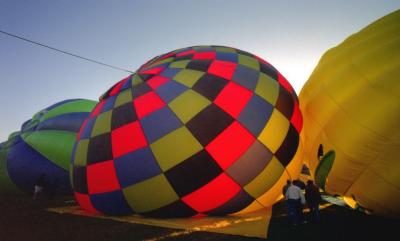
x=44, y=146
x=6, y=185
x=351, y=109
x=205, y=130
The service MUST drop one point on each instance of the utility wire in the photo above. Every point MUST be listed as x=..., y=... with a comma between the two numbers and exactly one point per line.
x=65, y=52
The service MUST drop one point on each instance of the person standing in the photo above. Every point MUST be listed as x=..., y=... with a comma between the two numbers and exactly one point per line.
x=313, y=198
x=39, y=185
x=284, y=189
x=320, y=153
x=295, y=200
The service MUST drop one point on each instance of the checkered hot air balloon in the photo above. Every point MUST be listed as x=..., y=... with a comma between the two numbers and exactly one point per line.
x=204, y=130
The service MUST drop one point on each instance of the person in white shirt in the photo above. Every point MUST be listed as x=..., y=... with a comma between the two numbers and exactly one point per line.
x=294, y=199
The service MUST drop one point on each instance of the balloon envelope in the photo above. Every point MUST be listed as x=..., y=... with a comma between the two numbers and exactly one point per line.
x=351, y=105
x=6, y=185
x=204, y=130
x=44, y=146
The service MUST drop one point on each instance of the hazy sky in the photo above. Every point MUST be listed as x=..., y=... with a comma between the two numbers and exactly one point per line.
x=292, y=35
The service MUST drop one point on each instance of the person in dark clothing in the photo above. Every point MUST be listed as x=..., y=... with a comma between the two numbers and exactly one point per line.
x=52, y=188
x=299, y=183
x=313, y=198
x=320, y=153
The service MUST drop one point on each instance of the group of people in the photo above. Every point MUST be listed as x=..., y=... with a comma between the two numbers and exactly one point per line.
x=295, y=199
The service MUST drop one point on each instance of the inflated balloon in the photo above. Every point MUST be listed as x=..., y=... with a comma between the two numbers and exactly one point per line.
x=44, y=146
x=351, y=107
x=200, y=130
x=6, y=185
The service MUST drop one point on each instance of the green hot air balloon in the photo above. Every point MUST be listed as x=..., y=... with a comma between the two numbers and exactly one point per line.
x=43, y=147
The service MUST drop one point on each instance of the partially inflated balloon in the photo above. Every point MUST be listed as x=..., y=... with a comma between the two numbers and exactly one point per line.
x=351, y=105
x=6, y=185
x=44, y=146
x=201, y=130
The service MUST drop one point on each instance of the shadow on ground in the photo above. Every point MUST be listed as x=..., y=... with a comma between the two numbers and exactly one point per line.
x=24, y=219
x=337, y=223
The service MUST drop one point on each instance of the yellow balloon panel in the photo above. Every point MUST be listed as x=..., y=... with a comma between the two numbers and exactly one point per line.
x=351, y=105
x=366, y=197
x=292, y=171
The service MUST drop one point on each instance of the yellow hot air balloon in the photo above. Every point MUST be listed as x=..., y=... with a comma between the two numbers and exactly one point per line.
x=351, y=110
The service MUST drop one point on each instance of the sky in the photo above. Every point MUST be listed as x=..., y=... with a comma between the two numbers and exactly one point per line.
x=291, y=35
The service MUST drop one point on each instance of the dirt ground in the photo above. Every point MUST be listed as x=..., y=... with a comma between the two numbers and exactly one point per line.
x=24, y=219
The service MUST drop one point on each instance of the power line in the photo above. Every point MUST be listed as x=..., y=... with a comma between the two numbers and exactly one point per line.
x=64, y=52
